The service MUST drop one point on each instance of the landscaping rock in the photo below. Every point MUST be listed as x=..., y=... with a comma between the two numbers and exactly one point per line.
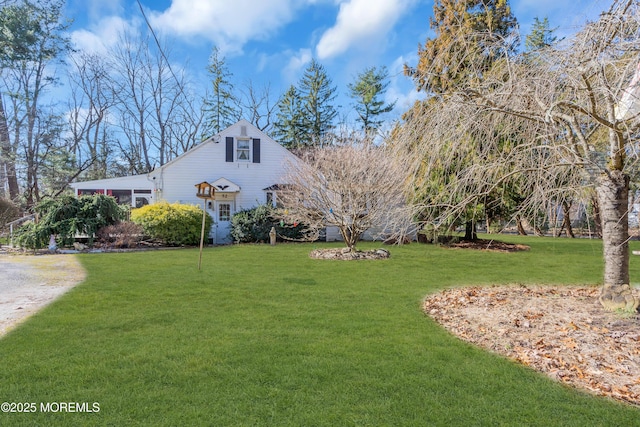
x=346, y=254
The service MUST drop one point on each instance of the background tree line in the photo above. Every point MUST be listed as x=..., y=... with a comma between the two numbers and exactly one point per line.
x=523, y=131
x=67, y=114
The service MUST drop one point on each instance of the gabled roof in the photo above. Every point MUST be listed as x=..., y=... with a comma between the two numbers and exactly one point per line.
x=123, y=182
x=277, y=187
x=223, y=185
x=233, y=130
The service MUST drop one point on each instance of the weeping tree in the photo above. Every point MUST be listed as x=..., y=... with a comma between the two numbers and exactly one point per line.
x=458, y=52
x=356, y=187
x=574, y=105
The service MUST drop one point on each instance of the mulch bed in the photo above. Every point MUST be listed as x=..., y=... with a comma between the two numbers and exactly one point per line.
x=563, y=332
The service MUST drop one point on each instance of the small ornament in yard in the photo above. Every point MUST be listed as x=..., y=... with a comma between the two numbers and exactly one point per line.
x=52, y=243
x=272, y=236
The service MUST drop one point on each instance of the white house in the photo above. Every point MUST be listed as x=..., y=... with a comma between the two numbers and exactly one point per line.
x=243, y=164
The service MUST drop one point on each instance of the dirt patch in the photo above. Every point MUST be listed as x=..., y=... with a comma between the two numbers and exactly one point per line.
x=346, y=254
x=30, y=282
x=487, y=245
x=561, y=331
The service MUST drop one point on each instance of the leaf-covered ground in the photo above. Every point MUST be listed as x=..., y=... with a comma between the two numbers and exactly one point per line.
x=561, y=331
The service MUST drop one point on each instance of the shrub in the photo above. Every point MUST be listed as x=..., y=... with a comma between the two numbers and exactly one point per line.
x=67, y=216
x=32, y=235
x=253, y=225
x=9, y=211
x=122, y=235
x=173, y=224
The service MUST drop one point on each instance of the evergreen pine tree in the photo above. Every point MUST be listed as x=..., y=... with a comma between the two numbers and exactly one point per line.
x=464, y=45
x=288, y=126
x=221, y=106
x=369, y=86
x=318, y=112
x=541, y=35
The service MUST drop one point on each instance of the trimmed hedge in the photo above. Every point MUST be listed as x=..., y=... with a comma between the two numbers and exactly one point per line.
x=173, y=224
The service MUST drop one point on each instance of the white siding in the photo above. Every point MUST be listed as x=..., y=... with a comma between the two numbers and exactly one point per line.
x=176, y=180
x=206, y=162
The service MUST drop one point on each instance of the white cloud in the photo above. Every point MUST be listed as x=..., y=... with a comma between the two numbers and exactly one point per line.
x=93, y=9
x=98, y=8
x=361, y=22
x=401, y=89
x=229, y=24
x=297, y=62
x=98, y=38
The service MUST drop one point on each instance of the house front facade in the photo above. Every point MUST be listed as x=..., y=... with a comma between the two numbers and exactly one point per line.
x=244, y=165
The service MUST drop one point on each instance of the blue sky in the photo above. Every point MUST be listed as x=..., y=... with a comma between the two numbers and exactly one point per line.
x=272, y=41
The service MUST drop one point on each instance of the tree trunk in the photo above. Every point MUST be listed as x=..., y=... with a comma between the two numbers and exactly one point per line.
x=470, y=232
x=520, y=226
x=597, y=220
x=350, y=238
x=613, y=198
x=566, y=221
x=8, y=156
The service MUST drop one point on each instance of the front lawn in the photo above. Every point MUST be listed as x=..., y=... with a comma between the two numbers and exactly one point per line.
x=265, y=336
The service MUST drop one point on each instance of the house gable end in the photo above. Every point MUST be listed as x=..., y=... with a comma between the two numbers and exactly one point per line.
x=261, y=142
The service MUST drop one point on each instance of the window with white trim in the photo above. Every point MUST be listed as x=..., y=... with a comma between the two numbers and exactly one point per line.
x=243, y=150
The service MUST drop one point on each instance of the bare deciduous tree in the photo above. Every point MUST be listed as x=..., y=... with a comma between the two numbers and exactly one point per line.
x=354, y=187
x=91, y=98
x=257, y=106
x=156, y=116
x=33, y=41
x=539, y=115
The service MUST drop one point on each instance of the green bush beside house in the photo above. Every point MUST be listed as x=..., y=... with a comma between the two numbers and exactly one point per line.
x=173, y=224
x=253, y=226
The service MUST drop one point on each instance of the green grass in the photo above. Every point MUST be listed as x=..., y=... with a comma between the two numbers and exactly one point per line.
x=265, y=336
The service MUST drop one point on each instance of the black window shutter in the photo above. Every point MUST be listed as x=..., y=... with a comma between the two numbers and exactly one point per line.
x=256, y=150
x=229, y=153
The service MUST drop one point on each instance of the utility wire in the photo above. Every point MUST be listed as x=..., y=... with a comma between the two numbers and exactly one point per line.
x=153, y=33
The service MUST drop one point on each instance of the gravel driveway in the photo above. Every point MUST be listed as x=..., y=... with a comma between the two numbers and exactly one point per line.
x=30, y=282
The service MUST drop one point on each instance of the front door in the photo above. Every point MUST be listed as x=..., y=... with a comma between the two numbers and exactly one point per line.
x=224, y=210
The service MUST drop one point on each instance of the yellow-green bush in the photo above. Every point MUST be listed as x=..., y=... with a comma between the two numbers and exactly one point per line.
x=174, y=224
